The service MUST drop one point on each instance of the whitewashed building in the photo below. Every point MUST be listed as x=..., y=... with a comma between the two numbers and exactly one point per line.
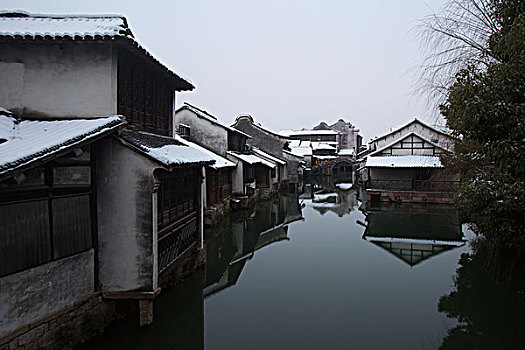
x=147, y=186
x=405, y=165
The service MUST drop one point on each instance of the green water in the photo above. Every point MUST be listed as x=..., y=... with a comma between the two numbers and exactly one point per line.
x=313, y=273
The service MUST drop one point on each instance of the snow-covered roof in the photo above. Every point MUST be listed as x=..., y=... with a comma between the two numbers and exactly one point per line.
x=25, y=142
x=398, y=128
x=220, y=161
x=318, y=145
x=301, y=151
x=167, y=151
x=404, y=137
x=346, y=152
x=263, y=154
x=21, y=25
x=205, y=115
x=32, y=25
x=404, y=162
x=325, y=157
x=292, y=154
x=289, y=133
x=252, y=159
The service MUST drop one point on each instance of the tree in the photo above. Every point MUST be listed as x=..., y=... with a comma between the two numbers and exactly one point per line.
x=485, y=109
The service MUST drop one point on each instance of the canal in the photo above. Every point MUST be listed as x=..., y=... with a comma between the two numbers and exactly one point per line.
x=316, y=271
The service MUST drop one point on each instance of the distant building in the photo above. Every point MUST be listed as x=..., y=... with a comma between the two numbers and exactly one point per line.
x=251, y=172
x=405, y=165
x=350, y=141
x=274, y=144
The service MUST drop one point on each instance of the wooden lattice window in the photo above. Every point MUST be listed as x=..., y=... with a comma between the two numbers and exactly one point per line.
x=145, y=96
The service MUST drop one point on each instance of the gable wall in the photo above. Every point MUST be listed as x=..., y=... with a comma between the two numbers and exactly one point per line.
x=203, y=132
x=69, y=80
x=411, y=145
x=431, y=135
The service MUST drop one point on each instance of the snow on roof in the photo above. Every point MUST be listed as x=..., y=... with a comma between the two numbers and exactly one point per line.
x=166, y=150
x=301, y=151
x=252, y=159
x=372, y=238
x=346, y=152
x=325, y=157
x=398, y=128
x=404, y=162
x=323, y=145
x=23, y=142
x=203, y=114
x=59, y=26
x=220, y=162
x=21, y=25
x=289, y=133
x=263, y=154
x=292, y=154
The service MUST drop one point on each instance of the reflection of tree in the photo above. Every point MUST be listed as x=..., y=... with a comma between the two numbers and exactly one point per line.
x=490, y=310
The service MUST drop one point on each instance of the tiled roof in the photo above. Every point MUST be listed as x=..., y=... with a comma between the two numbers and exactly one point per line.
x=27, y=26
x=263, y=154
x=252, y=159
x=79, y=27
x=220, y=162
x=24, y=142
x=167, y=151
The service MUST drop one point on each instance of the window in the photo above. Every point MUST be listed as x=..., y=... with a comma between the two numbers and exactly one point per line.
x=177, y=196
x=184, y=131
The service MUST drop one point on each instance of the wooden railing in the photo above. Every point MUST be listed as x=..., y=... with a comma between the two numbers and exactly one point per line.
x=175, y=241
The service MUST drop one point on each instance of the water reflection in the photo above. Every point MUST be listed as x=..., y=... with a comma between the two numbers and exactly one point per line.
x=413, y=232
x=276, y=280
x=179, y=313
x=228, y=250
x=327, y=197
x=490, y=308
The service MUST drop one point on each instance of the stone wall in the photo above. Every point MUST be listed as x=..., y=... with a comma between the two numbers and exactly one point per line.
x=34, y=293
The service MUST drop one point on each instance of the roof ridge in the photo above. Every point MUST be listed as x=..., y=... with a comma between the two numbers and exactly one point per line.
x=20, y=14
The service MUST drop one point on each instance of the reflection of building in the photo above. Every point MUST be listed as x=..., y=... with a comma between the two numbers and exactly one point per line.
x=414, y=232
x=330, y=198
x=228, y=253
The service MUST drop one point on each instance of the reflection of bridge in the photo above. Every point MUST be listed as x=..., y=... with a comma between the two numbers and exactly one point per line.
x=228, y=253
x=414, y=233
x=340, y=168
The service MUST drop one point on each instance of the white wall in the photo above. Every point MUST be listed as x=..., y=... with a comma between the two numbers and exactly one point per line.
x=203, y=132
x=125, y=183
x=237, y=175
x=419, y=129
x=58, y=80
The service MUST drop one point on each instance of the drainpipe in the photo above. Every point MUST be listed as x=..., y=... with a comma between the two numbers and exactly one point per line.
x=203, y=201
x=155, y=243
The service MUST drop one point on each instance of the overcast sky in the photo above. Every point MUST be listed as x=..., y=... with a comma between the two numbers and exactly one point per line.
x=289, y=64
